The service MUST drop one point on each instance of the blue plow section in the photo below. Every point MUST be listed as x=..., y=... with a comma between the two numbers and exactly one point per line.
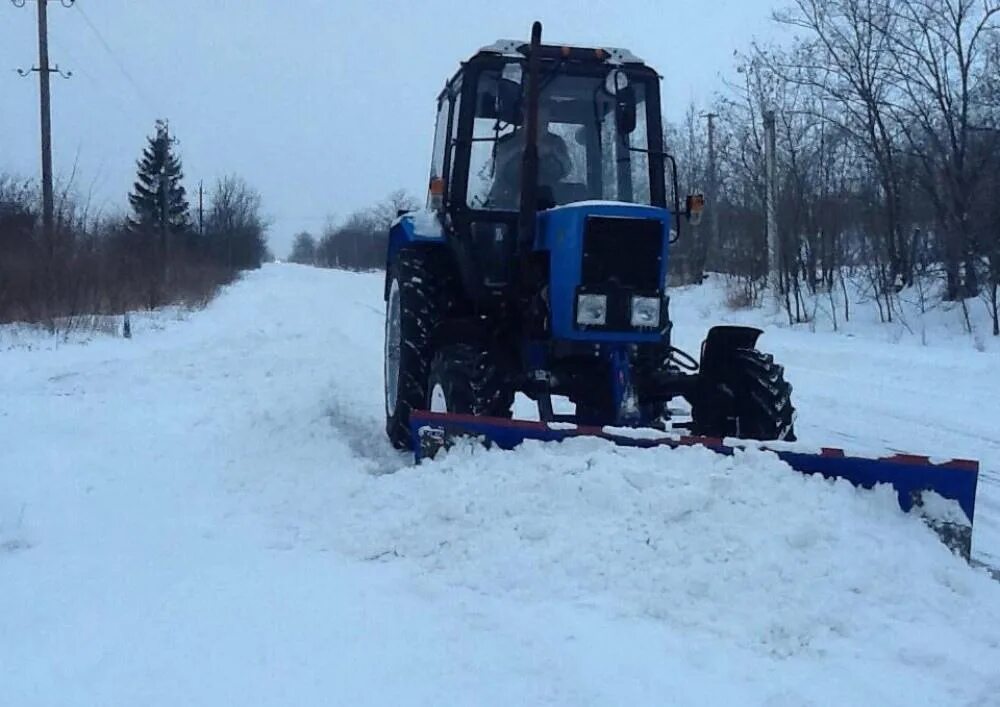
x=909, y=475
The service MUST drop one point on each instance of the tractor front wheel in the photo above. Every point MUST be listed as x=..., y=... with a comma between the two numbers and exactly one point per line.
x=416, y=300
x=747, y=397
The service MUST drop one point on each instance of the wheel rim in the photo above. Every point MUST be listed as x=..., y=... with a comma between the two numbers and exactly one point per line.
x=393, y=341
x=438, y=401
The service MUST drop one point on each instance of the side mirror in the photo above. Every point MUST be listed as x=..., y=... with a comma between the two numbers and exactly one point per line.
x=625, y=111
x=694, y=208
x=617, y=85
x=508, y=101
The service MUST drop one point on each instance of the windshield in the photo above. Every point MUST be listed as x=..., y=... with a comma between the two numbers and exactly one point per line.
x=581, y=153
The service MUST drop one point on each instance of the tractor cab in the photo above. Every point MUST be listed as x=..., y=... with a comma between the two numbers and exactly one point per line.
x=599, y=134
x=524, y=129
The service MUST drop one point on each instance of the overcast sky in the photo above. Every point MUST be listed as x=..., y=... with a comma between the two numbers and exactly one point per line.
x=323, y=105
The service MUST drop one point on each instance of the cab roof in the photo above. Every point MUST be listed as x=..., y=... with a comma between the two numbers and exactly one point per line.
x=517, y=48
x=514, y=48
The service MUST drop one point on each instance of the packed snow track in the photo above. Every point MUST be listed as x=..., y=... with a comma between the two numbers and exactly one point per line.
x=209, y=513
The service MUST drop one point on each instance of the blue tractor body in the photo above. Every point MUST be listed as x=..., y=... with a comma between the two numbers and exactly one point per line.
x=577, y=271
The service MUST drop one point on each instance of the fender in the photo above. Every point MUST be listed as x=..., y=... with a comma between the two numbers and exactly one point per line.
x=721, y=341
x=411, y=227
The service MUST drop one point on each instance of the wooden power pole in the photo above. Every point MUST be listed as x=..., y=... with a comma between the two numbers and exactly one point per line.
x=48, y=206
x=771, y=172
x=44, y=70
x=713, y=184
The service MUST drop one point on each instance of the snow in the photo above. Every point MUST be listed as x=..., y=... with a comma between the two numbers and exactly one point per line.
x=426, y=223
x=209, y=514
x=82, y=330
x=599, y=202
x=510, y=47
x=922, y=385
x=639, y=432
x=561, y=425
x=939, y=508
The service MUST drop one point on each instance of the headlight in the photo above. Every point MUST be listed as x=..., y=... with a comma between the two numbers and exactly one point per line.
x=645, y=311
x=592, y=310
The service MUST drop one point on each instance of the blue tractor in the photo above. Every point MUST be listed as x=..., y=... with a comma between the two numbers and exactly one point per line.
x=540, y=262
x=539, y=265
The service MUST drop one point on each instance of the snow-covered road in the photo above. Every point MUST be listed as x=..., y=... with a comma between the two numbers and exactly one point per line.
x=210, y=514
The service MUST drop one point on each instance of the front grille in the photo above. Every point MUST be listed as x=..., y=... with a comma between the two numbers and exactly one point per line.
x=622, y=253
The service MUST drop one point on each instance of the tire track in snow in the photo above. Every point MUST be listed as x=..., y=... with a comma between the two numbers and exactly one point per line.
x=364, y=437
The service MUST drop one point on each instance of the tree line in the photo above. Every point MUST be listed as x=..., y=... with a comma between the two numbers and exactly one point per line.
x=157, y=252
x=357, y=243
x=887, y=126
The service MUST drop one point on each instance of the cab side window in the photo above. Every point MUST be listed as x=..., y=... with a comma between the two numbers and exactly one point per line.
x=440, y=142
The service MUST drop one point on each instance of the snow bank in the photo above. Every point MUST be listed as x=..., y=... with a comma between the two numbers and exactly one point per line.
x=739, y=548
x=85, y=329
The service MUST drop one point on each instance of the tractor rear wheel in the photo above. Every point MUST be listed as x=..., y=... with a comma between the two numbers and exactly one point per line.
x=748, y=398
x=466, y=379
x=416, y=301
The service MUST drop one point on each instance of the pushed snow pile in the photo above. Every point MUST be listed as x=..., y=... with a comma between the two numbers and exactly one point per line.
x=741, y=548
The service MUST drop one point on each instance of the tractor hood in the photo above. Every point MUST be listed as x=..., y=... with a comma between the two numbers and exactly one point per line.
x=610, y=258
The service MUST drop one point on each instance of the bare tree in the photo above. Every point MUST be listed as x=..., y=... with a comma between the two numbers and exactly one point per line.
x=359, y=243
x=235, y=227
x=941, y=58
x=845, y=58
x=687, y=142
x=303, y=249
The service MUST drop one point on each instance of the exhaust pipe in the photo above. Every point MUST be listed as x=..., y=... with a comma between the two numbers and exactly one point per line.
x=529, y=164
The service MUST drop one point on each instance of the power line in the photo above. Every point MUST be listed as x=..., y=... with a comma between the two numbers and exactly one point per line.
x=80, y=69
x=114, y=57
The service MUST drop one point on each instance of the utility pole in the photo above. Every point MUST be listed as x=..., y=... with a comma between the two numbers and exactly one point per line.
x=44, y=70
x=771, y=170
x=48, y=206
x=713, y=184
x=201, y=210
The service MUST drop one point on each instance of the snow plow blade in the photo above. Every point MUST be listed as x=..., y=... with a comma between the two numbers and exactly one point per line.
x=915, y=478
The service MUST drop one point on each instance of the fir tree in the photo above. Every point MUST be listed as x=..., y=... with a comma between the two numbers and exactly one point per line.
x=146, y=198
